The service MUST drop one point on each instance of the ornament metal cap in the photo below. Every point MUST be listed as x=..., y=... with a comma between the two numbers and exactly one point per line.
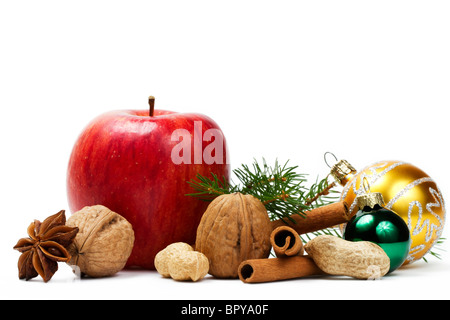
x=341, y=170
x=370, y=200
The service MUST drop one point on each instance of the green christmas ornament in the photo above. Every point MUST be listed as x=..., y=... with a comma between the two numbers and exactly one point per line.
x=384, y=227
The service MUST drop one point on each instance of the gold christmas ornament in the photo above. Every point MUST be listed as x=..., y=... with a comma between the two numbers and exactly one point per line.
x=408, y=191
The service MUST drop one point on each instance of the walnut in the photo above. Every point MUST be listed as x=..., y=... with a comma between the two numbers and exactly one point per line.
x=234, y=228
x=104, y=241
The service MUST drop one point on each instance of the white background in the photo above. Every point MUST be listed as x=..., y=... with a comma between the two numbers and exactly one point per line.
x=367, y=80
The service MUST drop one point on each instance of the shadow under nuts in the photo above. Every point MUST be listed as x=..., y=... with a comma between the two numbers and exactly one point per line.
x=234, y=228
x=104, y=241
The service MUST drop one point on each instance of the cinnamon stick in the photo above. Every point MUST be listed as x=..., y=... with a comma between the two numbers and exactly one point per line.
x=317, y=219
x=275, y=269
x=286, y=242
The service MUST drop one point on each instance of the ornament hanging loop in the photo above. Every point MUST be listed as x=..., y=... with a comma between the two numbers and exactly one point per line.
x=325, y=158
x=341, y=170
x=368, y=198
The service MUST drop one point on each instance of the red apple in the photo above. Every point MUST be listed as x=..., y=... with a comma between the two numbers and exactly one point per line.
x=138, y=166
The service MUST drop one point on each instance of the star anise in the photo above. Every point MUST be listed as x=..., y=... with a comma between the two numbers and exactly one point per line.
x=45, y=247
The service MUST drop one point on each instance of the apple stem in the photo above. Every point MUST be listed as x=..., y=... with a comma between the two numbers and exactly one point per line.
x=151, y=103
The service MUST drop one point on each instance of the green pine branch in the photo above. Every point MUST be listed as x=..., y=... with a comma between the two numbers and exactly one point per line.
x=280, y=188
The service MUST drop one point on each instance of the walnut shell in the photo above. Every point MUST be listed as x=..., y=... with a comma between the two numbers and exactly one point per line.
x=234, y=228
x=104, y=241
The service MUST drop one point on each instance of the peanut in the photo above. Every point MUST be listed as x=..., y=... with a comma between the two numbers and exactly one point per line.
x=180, y=262
x=189, y=265
x=336, y=256
x=164, y=256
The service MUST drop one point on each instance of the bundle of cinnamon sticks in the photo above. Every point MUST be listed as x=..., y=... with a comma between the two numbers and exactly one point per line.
x=290, y=263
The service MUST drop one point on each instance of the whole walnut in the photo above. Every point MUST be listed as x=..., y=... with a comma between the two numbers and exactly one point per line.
x=234, y=228
x=104, y=241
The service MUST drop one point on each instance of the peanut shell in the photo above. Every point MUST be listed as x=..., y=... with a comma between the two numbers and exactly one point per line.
x=188, y=265
x=336, y=256
x=163, y=257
